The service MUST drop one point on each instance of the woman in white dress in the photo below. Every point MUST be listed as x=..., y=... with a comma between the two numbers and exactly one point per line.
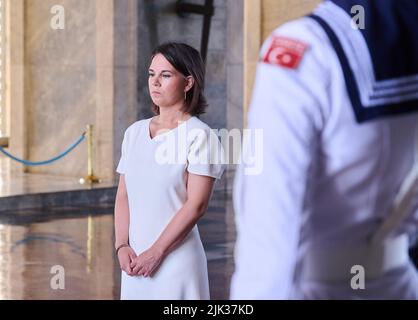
x=168, y=167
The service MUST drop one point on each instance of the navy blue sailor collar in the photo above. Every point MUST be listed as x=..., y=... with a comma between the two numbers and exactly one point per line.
x=379, y=61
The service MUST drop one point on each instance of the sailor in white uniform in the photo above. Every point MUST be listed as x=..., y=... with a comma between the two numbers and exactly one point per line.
x=333, y=211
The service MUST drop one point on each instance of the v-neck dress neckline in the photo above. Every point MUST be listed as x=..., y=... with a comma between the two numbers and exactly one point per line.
x=166, y=131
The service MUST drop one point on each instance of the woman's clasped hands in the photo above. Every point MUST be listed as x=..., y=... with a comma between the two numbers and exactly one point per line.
x=147, y=263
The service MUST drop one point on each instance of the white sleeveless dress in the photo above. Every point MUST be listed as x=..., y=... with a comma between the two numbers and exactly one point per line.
x=156, y=175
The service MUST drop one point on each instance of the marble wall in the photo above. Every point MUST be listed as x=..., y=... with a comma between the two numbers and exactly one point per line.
x=82, y=74
x=60, y=82
x=125, y=70
x=235, y=78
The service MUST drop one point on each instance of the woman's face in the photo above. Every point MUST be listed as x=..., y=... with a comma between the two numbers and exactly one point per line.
x=166, y=85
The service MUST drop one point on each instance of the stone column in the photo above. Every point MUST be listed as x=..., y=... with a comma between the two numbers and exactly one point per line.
x=125, y=71
x=105, y=103
x=16, y=83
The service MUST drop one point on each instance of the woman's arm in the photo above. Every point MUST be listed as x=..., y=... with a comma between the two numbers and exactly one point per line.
x=199, y=190
x=121, y=214
x=125, y=254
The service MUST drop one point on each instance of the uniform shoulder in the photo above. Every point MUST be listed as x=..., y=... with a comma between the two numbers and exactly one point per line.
x=301, y=37
x=303, y=29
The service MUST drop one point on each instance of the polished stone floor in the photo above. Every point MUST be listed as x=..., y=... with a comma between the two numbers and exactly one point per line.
x=13, y=183
x=37, y=246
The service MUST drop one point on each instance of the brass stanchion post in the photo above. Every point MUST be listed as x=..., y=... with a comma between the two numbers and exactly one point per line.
x=4, y=142
x=90, y=178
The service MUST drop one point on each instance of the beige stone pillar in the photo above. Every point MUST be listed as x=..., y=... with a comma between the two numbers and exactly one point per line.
x=103, y=131
x=15, y=81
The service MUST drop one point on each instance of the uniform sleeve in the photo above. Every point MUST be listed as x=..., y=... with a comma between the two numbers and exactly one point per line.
x=121, y=168
x=269, y=201
x=206, y=155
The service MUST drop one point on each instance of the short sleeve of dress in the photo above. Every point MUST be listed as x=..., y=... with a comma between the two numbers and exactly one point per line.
x=121, y=168
x=206, y=155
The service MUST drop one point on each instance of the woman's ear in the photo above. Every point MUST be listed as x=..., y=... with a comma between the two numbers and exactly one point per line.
x=189, y=83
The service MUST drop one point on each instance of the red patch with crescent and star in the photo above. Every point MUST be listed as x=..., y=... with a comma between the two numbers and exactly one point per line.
x=285, y=52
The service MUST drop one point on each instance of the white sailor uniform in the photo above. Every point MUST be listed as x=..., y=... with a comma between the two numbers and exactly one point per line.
x=336, y=189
